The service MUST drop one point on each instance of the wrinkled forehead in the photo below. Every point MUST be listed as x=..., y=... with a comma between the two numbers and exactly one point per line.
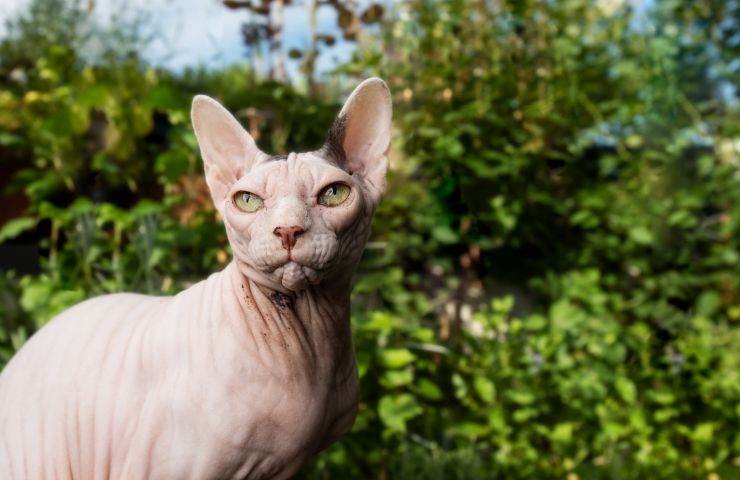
x=281, y=174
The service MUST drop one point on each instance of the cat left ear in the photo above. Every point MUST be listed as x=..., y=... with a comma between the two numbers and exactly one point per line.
x=227, y=149
x=361, y=134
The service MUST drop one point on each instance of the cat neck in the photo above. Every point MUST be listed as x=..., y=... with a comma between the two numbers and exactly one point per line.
x=309, y=328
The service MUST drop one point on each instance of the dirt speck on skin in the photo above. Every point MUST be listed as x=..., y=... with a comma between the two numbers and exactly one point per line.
x=247, y=297
x=281, y=300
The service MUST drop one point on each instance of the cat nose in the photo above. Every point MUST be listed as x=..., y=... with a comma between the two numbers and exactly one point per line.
x=288, y=235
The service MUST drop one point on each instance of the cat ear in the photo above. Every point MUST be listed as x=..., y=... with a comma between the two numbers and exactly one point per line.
x=361, y=134
x=227, y=149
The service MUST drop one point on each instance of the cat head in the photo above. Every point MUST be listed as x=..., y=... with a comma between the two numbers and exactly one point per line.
x=302, y=218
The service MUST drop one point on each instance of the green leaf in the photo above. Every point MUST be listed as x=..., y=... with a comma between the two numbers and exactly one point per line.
x=523, y=414
x=36, y=293
x=663, y=415
x=703, y=434
x=708, y=303
x=626, y=389
x=396, y=378
x=641, y=235
x=15, y=227
x=10, y=140
x=396, y=357
x=461, y=387
x=469, y=430
x=521, y=397
x=363, y=363
x=484, y=388
x=171, y=164
x=396, y=410
x=562, y=433
x=663, y=397
x=444, y=234
x=156, y=257
x=428, y=389
x=379, y=321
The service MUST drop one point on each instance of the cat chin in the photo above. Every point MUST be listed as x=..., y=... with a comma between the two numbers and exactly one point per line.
x=294, y=276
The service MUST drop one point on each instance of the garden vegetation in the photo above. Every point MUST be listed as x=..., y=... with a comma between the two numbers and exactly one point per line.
x=552, y=289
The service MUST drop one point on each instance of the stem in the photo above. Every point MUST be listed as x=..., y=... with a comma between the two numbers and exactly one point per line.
x=310, y=63
x=117, y=270
x=53, y=249
x=277, y=40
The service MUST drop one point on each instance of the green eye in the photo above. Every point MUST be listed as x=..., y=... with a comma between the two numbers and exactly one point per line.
x=333, y=195
x=247, y=202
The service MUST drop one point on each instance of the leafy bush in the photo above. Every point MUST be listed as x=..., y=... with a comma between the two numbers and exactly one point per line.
x=552, y=286
x=587, y=163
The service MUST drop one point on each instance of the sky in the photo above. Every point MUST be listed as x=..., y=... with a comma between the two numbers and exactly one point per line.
x=203, y=32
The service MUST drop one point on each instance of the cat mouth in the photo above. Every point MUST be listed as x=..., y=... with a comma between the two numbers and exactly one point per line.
x=295, y=276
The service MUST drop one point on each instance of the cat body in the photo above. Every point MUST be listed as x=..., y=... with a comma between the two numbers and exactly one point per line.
x=246, y=374
x=146, y=387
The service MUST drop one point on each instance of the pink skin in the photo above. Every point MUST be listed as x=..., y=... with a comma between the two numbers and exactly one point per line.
x=246, y=374
x=293, y=203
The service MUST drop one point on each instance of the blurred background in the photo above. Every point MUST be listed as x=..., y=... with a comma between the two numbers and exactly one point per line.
x=552, y=289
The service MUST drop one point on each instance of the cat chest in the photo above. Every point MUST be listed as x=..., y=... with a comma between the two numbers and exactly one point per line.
x=268, y=425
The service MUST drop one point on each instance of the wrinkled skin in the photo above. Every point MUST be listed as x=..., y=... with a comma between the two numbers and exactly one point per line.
x=246, y=374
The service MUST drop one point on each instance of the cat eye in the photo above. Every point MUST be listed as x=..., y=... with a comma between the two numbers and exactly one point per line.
x=247, y=201
x=334, y=194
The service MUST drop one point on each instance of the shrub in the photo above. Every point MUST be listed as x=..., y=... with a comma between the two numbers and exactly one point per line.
x=551, y=289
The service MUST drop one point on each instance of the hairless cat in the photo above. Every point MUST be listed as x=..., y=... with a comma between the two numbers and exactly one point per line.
x=246, y=374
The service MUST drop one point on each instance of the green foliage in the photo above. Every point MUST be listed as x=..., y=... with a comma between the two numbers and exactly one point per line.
x=573, y=390
x=552, y=288
x=577, y=157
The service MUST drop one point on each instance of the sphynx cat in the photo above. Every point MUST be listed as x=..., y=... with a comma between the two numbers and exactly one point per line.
x=246, y=374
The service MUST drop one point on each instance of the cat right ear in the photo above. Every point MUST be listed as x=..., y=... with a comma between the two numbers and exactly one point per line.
x=227, y=149
x=361, y=134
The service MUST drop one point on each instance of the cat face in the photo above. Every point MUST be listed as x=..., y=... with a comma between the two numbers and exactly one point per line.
x=303, y=218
